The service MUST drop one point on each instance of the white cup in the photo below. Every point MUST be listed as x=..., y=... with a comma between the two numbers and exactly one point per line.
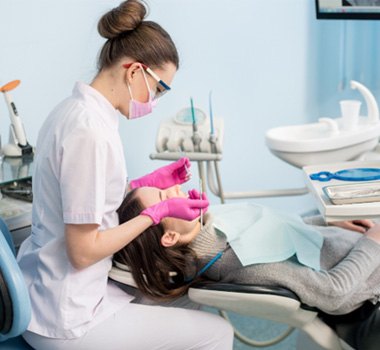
x=350, y=110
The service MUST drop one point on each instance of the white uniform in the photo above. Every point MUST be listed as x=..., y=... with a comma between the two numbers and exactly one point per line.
x=80, y=172
x=80, y=177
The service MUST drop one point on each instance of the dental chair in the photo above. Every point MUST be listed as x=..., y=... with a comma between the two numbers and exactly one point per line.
x=275, y=304
x=15, y=309
x=192, y=135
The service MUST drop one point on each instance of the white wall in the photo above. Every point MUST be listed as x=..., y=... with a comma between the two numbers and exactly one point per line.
x=257, y=56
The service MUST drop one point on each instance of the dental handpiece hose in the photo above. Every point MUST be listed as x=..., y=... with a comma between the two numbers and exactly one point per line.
x=214, y=149
x=197, y=141
x=196, y=138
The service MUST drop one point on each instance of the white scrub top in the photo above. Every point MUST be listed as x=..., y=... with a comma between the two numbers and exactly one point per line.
x=80, y=178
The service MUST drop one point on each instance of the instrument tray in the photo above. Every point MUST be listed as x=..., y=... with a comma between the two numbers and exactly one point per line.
x=364, y=192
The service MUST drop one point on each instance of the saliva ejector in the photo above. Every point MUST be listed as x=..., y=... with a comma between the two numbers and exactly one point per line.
x=17, y=145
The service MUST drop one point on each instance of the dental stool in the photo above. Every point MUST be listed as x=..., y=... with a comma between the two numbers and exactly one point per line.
x=15, y=309
x=270, y=303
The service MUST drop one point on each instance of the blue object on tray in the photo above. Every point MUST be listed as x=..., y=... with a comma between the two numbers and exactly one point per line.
x=355, y=174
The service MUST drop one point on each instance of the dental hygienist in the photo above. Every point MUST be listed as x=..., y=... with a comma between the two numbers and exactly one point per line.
x=80, y=181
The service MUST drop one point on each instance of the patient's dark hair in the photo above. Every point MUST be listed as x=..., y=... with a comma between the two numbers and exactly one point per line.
x=152, y=265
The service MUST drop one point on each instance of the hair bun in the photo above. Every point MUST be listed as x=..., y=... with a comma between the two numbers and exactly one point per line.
x=126, y=17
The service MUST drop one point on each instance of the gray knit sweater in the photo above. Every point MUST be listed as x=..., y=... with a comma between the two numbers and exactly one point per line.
x=350, y=268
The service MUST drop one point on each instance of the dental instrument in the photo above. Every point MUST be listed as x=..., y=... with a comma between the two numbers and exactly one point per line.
x=177, y=132
x=192, y=112
x=212, y=140
x=18, y=145
x=196, y=137
x=212, y=132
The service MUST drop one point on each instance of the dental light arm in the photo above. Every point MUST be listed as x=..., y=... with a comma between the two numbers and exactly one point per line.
x=18, y=145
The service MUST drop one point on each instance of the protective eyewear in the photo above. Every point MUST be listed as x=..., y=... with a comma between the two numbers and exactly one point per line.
x=161, y=89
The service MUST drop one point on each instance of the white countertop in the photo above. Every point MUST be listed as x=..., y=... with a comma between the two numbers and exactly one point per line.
x=333, y=212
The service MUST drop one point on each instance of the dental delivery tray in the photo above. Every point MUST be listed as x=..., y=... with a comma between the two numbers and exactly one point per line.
x=176, y=134
x=345, y=200
x=356, y=193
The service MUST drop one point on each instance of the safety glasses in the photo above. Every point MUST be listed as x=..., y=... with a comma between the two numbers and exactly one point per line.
x=161, y=89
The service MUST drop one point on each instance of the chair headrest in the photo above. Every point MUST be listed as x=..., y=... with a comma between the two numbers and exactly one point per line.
x=6, y=312
x=14, y=294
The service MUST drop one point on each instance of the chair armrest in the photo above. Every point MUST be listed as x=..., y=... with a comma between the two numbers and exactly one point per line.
x=246, y=288
x=275, y=304
x=252, y=289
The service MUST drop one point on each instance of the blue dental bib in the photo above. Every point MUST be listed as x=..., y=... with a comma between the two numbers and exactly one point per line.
x=258, y=234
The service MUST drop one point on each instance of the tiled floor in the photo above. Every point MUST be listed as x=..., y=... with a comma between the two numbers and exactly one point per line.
x=260, y=330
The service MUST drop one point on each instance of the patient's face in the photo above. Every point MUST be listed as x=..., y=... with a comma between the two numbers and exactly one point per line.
x=152, y=195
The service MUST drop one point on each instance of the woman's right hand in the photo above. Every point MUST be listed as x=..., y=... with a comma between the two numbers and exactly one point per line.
x=180, y=208
x=374, y=233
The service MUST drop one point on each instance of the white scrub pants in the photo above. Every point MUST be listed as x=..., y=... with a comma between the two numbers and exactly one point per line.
x=142, y=327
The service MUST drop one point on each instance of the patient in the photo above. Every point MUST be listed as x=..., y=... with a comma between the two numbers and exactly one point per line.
x=169, y=257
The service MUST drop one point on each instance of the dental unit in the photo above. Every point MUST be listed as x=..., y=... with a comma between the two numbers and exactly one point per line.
x=175, y=138
x=315, y=144
x=327, y=141
x=18, y=145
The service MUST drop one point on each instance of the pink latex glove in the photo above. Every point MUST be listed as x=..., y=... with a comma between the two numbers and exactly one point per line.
x=180, y=208
x=194, y=194
x=166, y=176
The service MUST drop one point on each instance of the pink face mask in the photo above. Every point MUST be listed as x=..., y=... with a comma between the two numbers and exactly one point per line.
x=139, y=109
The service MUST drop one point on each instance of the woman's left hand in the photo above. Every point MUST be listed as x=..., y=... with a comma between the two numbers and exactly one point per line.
x=360, y=226
x=169, y=175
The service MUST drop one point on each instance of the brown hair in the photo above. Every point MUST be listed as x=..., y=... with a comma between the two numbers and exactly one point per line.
x=152, y=265
x=128, y=35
